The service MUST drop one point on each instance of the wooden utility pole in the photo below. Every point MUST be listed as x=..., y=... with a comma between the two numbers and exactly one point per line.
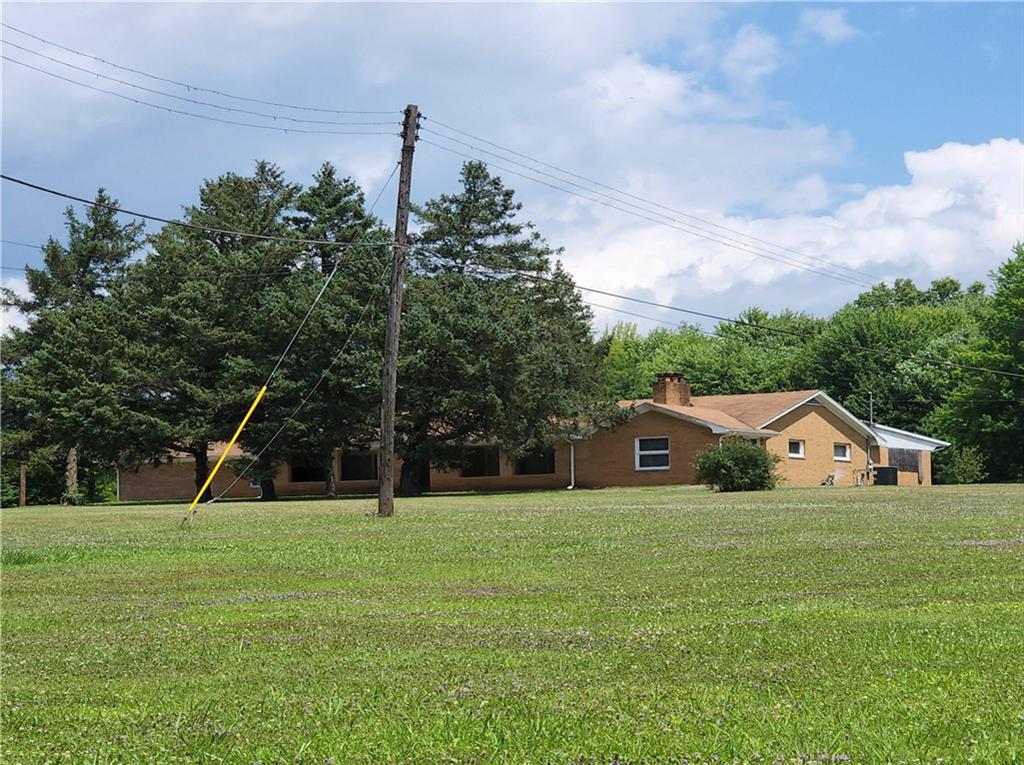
x=386, y=463
x=22, y=485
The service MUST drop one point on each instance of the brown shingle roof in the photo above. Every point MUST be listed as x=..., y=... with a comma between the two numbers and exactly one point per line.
x=754, y=409
x=744, y=411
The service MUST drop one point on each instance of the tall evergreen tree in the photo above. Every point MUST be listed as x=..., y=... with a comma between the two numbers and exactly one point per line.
x=65, y=376
x=342, y=337
x=198, y=293
x=487, y=355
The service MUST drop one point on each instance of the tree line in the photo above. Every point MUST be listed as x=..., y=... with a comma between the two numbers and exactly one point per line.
x=138, y=345
x=870, y=355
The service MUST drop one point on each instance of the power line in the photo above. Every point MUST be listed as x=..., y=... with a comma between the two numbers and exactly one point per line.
x=22, y=244
x=620, y=192
x=192, y=87
x=693, y=232
x=192, y=226
x=305, y=131
x=387, y=183
x=826, y=265
x=189, y=100
x=742, y=322
x=595, y=290
x=234, y=274
x=144, y=276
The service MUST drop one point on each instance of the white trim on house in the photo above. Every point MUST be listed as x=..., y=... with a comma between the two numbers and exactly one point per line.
x=847, y=451
x=820, y=397
x=652, y=453
x=801, y=453
x=894, y=438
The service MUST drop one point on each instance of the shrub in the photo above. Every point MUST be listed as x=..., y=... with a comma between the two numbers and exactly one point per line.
x=73, y=499
x=737, y=465
x=960, y=464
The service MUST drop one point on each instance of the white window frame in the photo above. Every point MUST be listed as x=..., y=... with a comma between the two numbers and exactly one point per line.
x=849, y=452
x=637, y=453
x=803, y=449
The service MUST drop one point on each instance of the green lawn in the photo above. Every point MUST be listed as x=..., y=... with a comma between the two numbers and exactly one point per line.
x=823, y=625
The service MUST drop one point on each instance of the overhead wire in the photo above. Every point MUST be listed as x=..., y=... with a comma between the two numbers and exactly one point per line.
x=198, y=102
x=193, y=226
x=192, y=86
x=607, y=293
x=387, y=183
x=861, y=282
x=742, y=322
x=630, y=195
x=196, y=115
x=21, y=244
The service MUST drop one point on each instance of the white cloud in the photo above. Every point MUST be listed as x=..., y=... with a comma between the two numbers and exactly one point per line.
x=632, y=92
x=830, y=25
x=960, y=213
x=753, y=55
x=12, y=317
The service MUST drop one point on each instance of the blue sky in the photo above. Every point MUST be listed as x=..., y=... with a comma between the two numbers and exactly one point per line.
x=885, y=138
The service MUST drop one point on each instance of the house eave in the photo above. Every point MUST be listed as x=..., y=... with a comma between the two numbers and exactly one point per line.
x=833, y=406
x=754, y=433
x=929, y=443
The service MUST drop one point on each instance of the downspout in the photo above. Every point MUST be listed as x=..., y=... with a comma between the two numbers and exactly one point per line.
x=869, y=466
x=572, y=465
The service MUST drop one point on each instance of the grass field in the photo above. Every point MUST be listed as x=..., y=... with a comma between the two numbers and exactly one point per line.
x=863, y=625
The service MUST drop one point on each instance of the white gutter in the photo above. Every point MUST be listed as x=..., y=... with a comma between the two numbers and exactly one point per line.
x=572, y=465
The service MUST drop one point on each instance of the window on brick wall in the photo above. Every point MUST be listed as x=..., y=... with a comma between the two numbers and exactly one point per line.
x=841, y=452
x=796, y=449
x=540, y=462
x=651, y=453
x=307, y=470
x=359, y=467
x=478, y=461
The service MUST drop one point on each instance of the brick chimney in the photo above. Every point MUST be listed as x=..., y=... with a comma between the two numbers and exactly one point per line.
x=671, y=388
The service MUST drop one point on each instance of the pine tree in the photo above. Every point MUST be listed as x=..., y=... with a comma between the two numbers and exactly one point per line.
x=493, y=354
x=198, y=293
x=65, y=377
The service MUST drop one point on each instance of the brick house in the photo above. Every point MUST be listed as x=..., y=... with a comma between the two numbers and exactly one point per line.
x=815, y=438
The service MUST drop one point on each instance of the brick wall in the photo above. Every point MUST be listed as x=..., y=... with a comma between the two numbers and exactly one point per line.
x=176, y=481
x=607, y=459
x=820, y=430
x=451, y=480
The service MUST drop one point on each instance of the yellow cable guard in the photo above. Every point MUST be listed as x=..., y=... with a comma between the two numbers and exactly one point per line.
x=223, y=456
